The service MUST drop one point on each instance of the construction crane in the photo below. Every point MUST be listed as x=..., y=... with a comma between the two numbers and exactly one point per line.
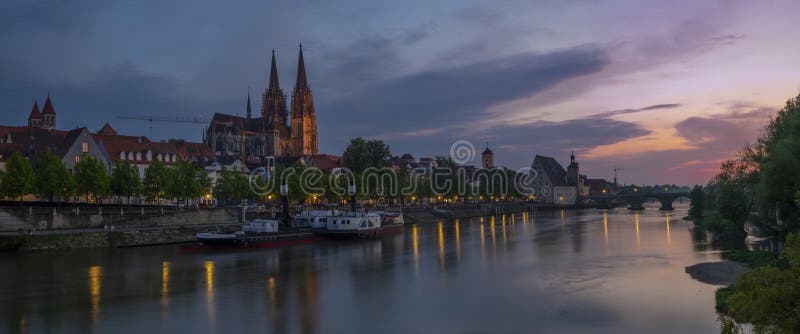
x=615, y=175
x=200, y=120
x=167, y=119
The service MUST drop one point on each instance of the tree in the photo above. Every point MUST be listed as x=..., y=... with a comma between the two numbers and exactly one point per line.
x=156, y=180
x=697, y=202
x=232, y=186
x=183, y=182
x=18, y=179
x=361, y=154
x=52, y=177
x=91, y=178
x=125, y=180
x=203, y=184
x=767, y=297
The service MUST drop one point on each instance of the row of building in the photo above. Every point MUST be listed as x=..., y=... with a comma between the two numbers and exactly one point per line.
x=286, y=129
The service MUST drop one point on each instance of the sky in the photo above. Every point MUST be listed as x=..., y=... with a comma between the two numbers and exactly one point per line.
x=665, y=90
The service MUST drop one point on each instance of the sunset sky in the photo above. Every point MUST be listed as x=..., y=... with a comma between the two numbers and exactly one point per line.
x=665, y=89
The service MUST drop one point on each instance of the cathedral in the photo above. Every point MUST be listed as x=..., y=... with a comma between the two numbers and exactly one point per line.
x=279, y=132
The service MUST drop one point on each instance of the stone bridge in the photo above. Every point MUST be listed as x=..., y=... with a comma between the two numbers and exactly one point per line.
x=635, y=200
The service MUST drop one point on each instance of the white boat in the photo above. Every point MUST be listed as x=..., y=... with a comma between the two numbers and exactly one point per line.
x=363, y=224
x=261, y=226
x=317, y=219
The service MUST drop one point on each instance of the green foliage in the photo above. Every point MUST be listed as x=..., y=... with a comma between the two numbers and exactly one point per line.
x=203, y=184
x=697, y=202
x=18, y=179
x=91, y=178
x=779, y=181
x=753, y=259
x=156, y=181
x=361, y=154
x=125, y=180
x=52, y=177
x=183, y=182
x=231, y=186
x=767, y=297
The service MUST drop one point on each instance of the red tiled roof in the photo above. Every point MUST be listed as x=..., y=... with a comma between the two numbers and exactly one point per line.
x=33, y=140
x=35, y=114
x=6, y=150
x=48, y=107
x=115, y=144
x=107, y=130
x=325, y=162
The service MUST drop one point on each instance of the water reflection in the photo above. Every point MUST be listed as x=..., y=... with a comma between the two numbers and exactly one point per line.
x=669, y=237
x=441, y=247
x=95, y=284
x=494, y=239
x=458, y=241
x=587, y=280
x=164, y=284
x=212, y=310
x=605, y=227
x=483, y=243
x=415, y=246
x=636, y=217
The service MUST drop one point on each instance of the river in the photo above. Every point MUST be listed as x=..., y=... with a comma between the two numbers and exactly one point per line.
x=584, y=271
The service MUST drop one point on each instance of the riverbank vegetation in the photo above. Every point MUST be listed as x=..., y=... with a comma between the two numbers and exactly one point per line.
x=91, y=181
x=758, y=193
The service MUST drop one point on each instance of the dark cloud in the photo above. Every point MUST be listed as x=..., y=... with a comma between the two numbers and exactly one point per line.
x=725, y=132
x=119, y=90
x=455, y=95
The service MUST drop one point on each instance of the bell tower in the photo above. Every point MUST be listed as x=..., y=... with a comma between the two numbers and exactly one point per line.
x=303, y=117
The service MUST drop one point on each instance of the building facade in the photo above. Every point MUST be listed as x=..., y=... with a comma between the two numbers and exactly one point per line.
x=278, y=132
x=487, y=158
x=40, y=136
x=550, y=182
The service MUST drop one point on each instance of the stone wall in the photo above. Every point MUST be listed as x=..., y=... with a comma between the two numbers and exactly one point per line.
x=13, y=219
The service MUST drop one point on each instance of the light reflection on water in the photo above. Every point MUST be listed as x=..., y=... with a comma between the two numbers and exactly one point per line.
x=588, y=271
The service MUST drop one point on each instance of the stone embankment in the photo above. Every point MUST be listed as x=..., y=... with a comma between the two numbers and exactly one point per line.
x=48, y=229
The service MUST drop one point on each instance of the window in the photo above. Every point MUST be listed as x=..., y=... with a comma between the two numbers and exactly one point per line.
x=85, y=147
x=130, y=155
x=77, y=158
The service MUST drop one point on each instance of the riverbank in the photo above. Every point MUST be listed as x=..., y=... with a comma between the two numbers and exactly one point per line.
x=54, y=239
x=54, y=242
x=717, y=273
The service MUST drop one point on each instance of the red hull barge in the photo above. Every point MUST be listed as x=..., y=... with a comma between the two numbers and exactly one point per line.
x=261, y=242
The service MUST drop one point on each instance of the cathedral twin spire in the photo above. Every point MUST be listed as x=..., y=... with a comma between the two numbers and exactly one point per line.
x=302, y=126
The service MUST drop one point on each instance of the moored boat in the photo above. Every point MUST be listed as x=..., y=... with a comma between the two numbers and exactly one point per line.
x=362, y=224
x=219, y=238
x=316, y=219
x=253, y=231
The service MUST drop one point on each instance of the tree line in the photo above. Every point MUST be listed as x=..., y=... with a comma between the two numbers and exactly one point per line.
x=51, y=180
x=759, y=190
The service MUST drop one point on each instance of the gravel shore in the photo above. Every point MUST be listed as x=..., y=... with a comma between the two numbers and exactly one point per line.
x=716, y=273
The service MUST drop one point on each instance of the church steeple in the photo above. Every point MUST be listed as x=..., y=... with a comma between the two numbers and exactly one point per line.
x=273, y=75
x=273, y=103
x=249, y=110
x=303, y=117
x=302, y=82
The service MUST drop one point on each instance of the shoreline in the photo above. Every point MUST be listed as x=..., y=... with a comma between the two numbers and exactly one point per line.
x=45, y=240
x=722, y=273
